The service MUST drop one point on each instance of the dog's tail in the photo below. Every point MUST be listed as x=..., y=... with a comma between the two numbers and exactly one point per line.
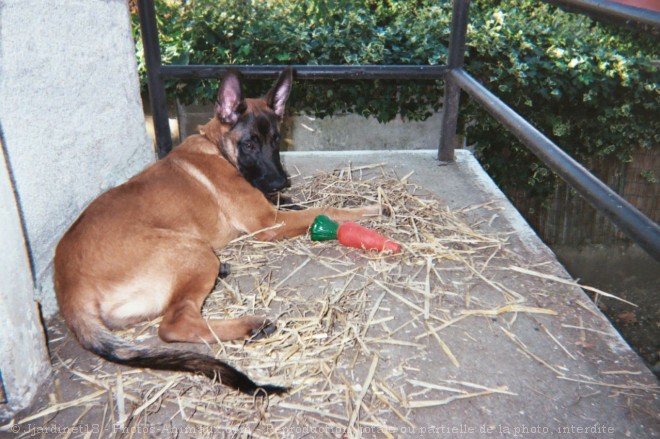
x=98, y=338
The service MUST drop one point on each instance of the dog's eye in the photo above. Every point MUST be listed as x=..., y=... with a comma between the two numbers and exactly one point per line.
x=276, y=138
x=250, y=145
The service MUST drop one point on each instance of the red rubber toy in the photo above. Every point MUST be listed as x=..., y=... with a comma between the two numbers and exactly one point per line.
x=351, y=234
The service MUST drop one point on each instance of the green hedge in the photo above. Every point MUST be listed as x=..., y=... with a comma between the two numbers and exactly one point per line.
x=592, y=88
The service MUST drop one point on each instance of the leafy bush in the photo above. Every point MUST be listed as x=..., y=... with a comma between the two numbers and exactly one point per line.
x=590, y=87
x=310, y=32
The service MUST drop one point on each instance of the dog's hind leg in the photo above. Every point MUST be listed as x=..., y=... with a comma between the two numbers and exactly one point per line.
x=182, y=319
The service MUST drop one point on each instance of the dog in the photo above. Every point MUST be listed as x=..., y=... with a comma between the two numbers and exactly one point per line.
x=147, y=248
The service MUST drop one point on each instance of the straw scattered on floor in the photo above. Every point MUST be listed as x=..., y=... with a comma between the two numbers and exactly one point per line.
x=333, y=328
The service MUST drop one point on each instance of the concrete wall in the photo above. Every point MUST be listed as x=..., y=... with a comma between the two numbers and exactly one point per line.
x=23, y=359
x=355, y=132
x=340, y=132
x=70, y=112
x=72, y=126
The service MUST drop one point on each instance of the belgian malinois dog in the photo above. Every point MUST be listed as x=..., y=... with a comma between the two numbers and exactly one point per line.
x=146, y=248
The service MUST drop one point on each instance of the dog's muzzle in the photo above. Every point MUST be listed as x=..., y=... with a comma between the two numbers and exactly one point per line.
x=278, y=185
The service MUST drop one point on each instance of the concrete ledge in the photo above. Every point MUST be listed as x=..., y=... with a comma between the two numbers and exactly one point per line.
x=461, y=184
x=345, y=132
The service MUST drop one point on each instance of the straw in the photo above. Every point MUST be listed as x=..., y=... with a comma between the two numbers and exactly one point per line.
x=569, y=282
x=341, y=314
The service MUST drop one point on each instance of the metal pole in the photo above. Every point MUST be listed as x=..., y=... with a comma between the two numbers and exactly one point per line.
x=308, y=72
x=636, y=17
x=631, y=221
x=157, y=96
x=450, y=107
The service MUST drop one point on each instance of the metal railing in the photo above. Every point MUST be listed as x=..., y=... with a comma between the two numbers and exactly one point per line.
x=631, y=221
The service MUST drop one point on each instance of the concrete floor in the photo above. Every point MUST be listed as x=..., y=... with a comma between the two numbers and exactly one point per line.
x=545, y=406
x=566, y=375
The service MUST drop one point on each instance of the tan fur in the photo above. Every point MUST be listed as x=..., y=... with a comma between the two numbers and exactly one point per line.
x=146, y=248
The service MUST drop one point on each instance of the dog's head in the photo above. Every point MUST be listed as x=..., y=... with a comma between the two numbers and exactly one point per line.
x=252, y=139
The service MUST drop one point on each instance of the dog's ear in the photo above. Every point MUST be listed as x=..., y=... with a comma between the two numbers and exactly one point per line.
x=277, y=96
x=230, y=103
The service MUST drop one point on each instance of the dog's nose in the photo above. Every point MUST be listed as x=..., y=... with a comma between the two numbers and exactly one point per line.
x=278, y=184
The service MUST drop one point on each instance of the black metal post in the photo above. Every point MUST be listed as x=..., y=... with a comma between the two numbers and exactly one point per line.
x=459, y=22
x=644, y=20
x=631, y=221
x=157, y=96
x=308, y=72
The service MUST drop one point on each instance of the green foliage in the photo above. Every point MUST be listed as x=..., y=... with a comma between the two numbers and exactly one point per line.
x=649, y=177
x=590, y=87
x=310, y=32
